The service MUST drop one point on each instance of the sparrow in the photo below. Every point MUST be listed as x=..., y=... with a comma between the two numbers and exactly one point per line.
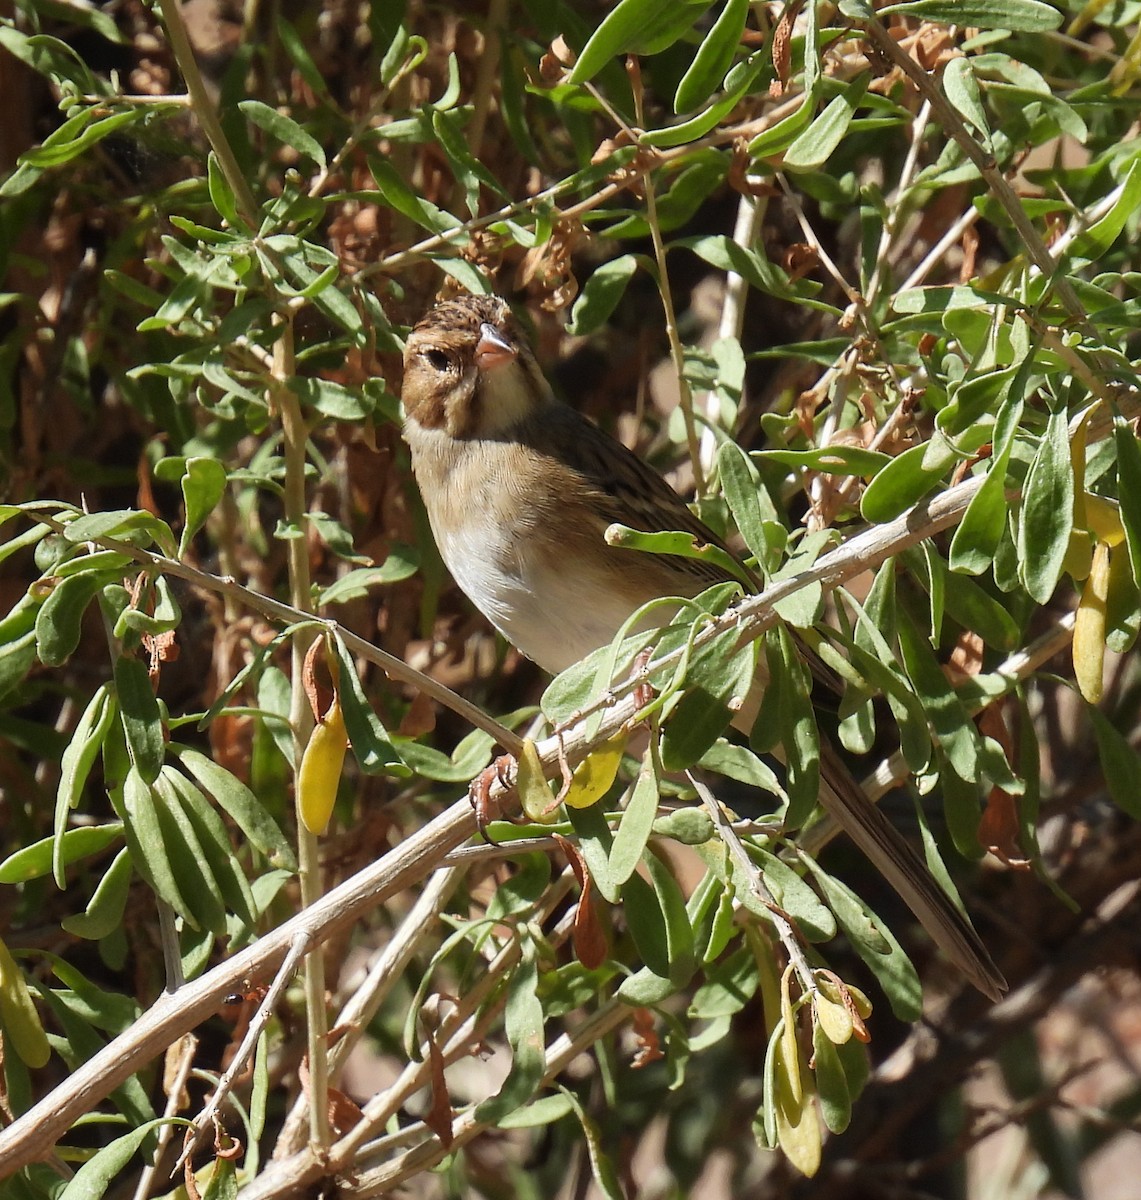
x=519, y=490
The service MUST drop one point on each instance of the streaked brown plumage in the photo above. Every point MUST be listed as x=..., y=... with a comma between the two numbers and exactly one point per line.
x=520, y=488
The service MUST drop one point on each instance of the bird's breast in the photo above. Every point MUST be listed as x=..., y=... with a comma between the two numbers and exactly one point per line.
x=552, y=592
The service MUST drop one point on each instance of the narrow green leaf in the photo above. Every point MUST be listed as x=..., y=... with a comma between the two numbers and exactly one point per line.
x=831, y=460
x=1096, y=240
x=284, y=129
x=221, y=195
x=369, y=739
x=962, y=89
x=150, y=853
x=92, y=1179
x=189, y=858
x=139, y=713
x=76, y=763
x=813, y=147
x=299, y=56
x=637, y=820
x=1129, y=489
x=402, y=563
x=949, y=718
x=874, y=942
x=1120, y=764
x=59, y=621
x=595, y=842
x=792, y=895
x=233, y=887
x=21, y=1022
x=799, y=736
x=104, y=912
x=633, y=26
x=903, y=482
x=523, y=1020
x=748, y=500
x=600, y=294
x=247, y=812
x=713, y=58
x=35, y=861
x=1047, y=512
x=1023, y=16
x=203, y=485
x=831, y=1082
x=977, y=539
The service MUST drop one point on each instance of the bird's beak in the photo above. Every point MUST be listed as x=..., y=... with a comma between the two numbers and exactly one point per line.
x=493, y=349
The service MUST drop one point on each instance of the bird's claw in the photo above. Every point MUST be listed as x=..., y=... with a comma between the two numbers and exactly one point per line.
x=502, y=771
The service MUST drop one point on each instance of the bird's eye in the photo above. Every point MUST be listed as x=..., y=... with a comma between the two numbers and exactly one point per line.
x=438, y=360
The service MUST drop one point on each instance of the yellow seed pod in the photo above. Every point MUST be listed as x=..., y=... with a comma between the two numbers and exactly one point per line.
x=534, y=795
x=835, y=1020
x=594, y=775
x=21, y=1021
x=320, y=773
x=1103, y=519
x=1089, y=627
x=1079, y=554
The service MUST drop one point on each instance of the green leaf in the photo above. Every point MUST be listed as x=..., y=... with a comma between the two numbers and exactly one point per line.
x=406, y=202
x=637, y=821
x=713, y=58
x=977, y=539
x=812, y=148
x=739, y=80
x=192, y=862
x=104, y=912
x=60, y=146
x=220, y=860
x=126, y=524
x=284, y=129
x=634, y=26
x=1096, y=240
x=747, y=498
x=1129, y=489
x=221, y=194
x=799, y=736
x=682, y=545
x=831, y=1082
x=962, y=89
x=295, y=47
x=402, y=563
x=35, y=861
x=139, y=713
x=244, y=808
x=791, y=894
x=150, y=851
x=659, y=923
x=369, y=739
x=203, y=485
x=59, y=621
x=92, y=1179
x=903, y=482
x=331, y=399
x=78, y=759
x=601, y=293
x=1047, y=512
x=1119, y=763
x=874, y=942
x=1023, y=16
x=949, y=718
x=832, y=460
x=523, y=1020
